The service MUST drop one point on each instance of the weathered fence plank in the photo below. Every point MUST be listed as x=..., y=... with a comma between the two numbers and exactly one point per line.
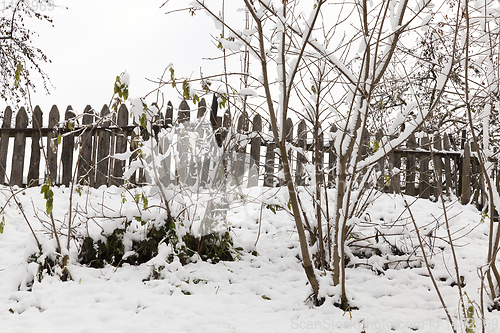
x=68, y=143
x=183, y=144
x=447, y=165
x=85, y=169
x=34, y=168
x=239, y=159
x=4, y=144
x=224, y=125
x=204, y=164
x=270, y=155
x=165, y=177
x=202, y=108
x=466, y=185
x=424, y=187
x=255, y=144
x=395, y=172
x=332, y=159
x=477, y=181
x=380, y=167
x=120, y=145
x=320, y=160
x=438, y=167
x=410, y=189
x=301, y=160
x=16, y=176
x=52, y=146
x=289, y=140
x=365, y=143
x=101, y=177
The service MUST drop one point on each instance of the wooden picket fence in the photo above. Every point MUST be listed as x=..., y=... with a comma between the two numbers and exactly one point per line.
x=422, y=167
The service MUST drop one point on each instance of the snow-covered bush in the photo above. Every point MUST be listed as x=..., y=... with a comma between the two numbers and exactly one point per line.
x=186, y=169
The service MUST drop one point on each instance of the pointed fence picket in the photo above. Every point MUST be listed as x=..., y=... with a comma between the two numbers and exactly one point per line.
x=425, y=167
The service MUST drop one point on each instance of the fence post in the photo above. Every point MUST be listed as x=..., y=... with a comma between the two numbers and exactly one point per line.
x=447, y=164
x=381, y=163
x=184, y=113
x=238, y=167
x=410, y=166
x=203, y=165
x=289, y=139
x=476, y=178
x=331, y=159
x=202, y=108
x=85, y=166
x=183, y=144
x=395, y=172
x=4, y=144
x=321, y=160
x=460, y=163
x=16, y=176
x=424, y=185
x=269, y=177
x=167, y=162
x=34, y=169
x=121, y=144
x=101, y=177
x=365, y=143
x=438, y=167
x=466, y=188
x=51, y=146
x=226, y=125
x=301, y=160
x=68, y=143
x=253, y=170
x=194, y=167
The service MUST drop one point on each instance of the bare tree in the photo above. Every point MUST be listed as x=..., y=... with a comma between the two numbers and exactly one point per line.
x=479, y=94
x=19, y=58
x=351, y=53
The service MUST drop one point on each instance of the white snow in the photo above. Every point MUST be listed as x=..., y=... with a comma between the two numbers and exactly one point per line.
x=248, y=92
x=125, y=79
x=264, y=293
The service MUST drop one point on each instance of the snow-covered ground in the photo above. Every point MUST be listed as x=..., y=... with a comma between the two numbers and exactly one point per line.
x=263, y=293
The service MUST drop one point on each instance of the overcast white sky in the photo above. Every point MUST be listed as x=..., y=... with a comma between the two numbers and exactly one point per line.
x=93, y=41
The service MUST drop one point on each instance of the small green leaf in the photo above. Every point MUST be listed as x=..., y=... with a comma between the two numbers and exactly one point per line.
x=172, y=74
x=222, y=103
x=185, y=89
x=48, y=195
x=144, y=201
x=49, y=206
x=44, y=188
x=137, y=197
x=143, y=120
x=17, y=75
x=117, y=85
x=313, y=88
x=2, y=225
x=59, y=139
